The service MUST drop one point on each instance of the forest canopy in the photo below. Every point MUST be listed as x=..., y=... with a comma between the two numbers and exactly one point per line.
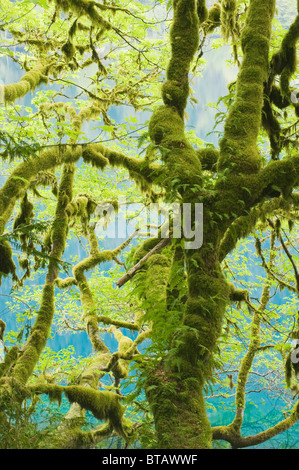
x=149, y=268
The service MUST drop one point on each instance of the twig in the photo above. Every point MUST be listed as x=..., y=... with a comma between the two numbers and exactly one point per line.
x=126, y=277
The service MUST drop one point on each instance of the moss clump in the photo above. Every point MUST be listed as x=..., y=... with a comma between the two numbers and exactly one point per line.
x=167, y=127
x=202, y=11
x=7, y=265
x=173, y=94
x=213, y=20
x=83, y=206
x=208, y=158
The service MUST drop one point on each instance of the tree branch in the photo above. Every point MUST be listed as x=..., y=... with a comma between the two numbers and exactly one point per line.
x=131, y=273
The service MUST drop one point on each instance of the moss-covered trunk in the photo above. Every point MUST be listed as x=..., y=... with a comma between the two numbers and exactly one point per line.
x=175, y=387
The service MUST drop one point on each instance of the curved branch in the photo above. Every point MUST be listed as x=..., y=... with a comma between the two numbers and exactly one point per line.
x=239, y=442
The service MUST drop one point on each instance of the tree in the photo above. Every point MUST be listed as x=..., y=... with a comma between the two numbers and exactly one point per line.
x=187, y=298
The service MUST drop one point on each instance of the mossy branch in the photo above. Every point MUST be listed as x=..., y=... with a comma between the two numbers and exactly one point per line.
x=238, y=148
x=243, y=226
x=31, y=80
x=97, y=155
x=253, y=348
x=129, y=351
x=121, y=324
x=238, y=442
x=95, y=258
x=102, y=404
x=41, y=328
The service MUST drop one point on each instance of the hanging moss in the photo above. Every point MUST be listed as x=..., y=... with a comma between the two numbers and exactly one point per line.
x=24, y=217
x=202, y=11
x=284, y=61
x=272, y=126
x=68, y=49
x=7, y=265
x=86, y=8
x=103, y=405
x=9, y=360
x=44, y=178
x=83, y=206
x=2, y=329
x=228, y=18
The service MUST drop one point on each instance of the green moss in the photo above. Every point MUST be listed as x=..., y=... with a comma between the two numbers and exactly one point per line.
x=144, y=248
x=179, y=409
x=44, y=178
x=67, y=282
x=208, y=158
x=213, y=20
x=166, y=126
x=121, y=369
x=27, y=83
x=2, y=329
x=103, y=405
x=93, y=156
x=184, y=38
x=68, y=49
x=24, y=217
x=284, y=61
x=174, y=94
